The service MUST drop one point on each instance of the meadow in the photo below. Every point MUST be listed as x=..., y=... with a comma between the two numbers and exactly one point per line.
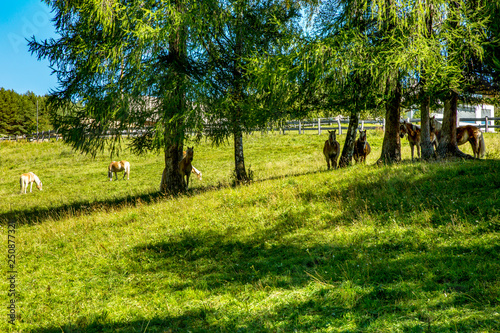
x=409, y=247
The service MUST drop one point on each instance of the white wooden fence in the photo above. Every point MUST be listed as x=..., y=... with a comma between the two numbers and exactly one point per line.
x=301, y=126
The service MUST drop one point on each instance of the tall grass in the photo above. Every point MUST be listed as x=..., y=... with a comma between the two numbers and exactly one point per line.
x=412, y=247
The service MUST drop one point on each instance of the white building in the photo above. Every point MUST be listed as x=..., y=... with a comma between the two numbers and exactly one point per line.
x=466, y=112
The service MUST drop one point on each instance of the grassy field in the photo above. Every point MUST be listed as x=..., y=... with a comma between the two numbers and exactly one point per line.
x=412, y=247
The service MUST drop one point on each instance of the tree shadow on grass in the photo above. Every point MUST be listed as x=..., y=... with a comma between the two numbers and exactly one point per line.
x=347, y=290
x=371, y=282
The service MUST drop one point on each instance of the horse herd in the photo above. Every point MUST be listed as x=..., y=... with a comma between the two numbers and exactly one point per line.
x=467, y=133
x=331, y=150
x=185, y=169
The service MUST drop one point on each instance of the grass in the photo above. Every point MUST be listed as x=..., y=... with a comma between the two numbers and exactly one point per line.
x=412, y=247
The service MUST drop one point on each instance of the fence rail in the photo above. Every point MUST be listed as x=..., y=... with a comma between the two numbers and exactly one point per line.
x=301, y=126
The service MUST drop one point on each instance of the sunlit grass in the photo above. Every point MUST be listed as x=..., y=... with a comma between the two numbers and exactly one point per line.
x=412, y=247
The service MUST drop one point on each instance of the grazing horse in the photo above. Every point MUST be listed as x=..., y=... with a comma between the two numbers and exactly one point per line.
x=331, y=150
x=28, y=179
x=185, y=167
x=472, y=134
x=467, y=133
x=197, y=173
x=413, y=132
x=361, y=148
x=119, y=167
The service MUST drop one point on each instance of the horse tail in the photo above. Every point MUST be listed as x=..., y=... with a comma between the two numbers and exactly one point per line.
x=482, y=148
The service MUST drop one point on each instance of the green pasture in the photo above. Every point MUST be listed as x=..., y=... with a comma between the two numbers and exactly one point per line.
x=411, y=247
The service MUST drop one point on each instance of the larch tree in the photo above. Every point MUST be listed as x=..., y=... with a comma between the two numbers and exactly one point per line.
x=240, y=34
x=123, y=65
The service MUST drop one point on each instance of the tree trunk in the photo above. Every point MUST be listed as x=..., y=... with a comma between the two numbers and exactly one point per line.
x=174, y=108
x=348, y=150
x=171, y=179
x=425, y=136
x=239, y=159
x=448, y=143
x=427, y=147
x=238, y=95
x=391, y=146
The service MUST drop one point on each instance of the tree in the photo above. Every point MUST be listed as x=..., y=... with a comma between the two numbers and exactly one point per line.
x=242, y=32
x=122, y=65
x=463, y=33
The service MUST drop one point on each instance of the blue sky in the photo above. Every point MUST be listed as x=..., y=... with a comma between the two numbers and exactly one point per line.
x=19, y=70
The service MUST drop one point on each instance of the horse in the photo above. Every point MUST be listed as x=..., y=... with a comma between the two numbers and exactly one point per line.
x=361, y=148
x=467, y=133
x=331, y=150
x=197, y=173
x=474, y=136
x=28, y=179
x=194, y=170
x=185, y=167
x=413, y=132
x=119, y=167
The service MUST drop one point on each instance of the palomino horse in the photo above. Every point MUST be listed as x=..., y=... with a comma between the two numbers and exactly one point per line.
x=413, y=132
x=361, y=148
x=28, y=179
x=119, y=167
x=185, y=167
x=467, y=133
x=331, y=150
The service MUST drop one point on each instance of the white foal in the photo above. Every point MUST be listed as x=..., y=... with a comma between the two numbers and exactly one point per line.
x=196, y=172
x=28, y=179
x=119, y=167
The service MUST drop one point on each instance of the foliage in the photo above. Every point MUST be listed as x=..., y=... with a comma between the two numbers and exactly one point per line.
x=18, y=113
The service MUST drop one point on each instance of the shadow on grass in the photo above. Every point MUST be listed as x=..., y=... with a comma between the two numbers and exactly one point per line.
x=365, y=287
x=366, y=284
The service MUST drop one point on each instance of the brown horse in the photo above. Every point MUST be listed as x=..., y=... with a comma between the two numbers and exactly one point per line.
x=361, y=148
x=474, y=136
x=185, y=167
x=331, y=150
x=194, y=170
x=467, y=133
x=413, y=132
x=116, y=167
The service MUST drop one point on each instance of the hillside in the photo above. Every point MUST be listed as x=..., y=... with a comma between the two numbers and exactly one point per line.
x=412, y=247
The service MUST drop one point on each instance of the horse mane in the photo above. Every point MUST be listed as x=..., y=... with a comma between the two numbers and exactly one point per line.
x=35, y=177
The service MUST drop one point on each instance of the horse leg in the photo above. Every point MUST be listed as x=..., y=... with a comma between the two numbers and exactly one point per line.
x=31, y=187
x=474, y=145
x=328, y=163
x=418, y=150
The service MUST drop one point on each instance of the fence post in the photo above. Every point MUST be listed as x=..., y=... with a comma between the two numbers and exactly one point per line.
x=300, y=127
x=340, y=126
x=362, y=124
x=458, y=121
x=319, y=126
x=486, y=124
x=383, y=124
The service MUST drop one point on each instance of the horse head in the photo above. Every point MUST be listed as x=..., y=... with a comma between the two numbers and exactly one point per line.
x=362, y=135
x=402, y=129
x=332, y=137
x=362, y=138
x=190, y=153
